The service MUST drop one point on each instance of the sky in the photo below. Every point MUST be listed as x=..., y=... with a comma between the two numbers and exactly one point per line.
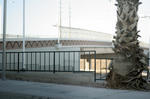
x=42, y=15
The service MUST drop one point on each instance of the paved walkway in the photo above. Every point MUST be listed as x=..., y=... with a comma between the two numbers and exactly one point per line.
x=56, y=91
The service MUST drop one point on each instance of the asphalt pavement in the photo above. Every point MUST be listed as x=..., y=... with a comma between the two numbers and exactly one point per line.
x=13, y=88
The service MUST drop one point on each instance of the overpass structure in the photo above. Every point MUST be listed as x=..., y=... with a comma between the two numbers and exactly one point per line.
x=71, y=38
x=77, y=38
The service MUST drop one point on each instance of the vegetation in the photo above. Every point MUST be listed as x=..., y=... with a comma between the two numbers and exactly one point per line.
x=126, y=69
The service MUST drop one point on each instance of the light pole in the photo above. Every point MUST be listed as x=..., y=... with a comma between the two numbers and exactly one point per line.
x=4, y=40
x=58, y=45
x=23, y=44
x=59, y=26
x=69, y=12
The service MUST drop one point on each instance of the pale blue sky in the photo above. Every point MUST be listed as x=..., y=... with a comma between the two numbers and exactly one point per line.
x=41, y=15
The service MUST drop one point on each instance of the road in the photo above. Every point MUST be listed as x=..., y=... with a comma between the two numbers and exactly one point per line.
x=12, y=89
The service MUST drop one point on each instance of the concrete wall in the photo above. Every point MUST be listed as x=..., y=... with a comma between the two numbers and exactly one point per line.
x=74, y=78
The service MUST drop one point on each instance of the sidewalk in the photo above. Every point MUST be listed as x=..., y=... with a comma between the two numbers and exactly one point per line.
x=12, y=89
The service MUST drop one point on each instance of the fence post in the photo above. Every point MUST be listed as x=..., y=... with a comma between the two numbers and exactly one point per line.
x=18, y=61
x=94, y=66
x=148, y=72
x=54, y=64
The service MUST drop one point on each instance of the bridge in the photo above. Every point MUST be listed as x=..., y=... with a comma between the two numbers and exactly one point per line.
x=70, y=38
x=80, y=53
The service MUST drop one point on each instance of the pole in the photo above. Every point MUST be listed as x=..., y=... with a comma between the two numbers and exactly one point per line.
x=59, y=26
x=4, y=40
x=69, y=8
x=149, y=51
x=23, y=45
x=149, y=47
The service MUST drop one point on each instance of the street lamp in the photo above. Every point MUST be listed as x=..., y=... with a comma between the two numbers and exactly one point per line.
x=58, y=45
x=69, y=13
x=4, y=41
x=23, y=44
x=59, y=26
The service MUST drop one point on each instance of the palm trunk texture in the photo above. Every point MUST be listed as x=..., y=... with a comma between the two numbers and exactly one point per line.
x=126, y=69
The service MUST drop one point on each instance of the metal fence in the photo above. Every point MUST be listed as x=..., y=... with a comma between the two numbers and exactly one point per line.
x=102, y=68
x=57, y=61
x=1, y=56
x=49, y=61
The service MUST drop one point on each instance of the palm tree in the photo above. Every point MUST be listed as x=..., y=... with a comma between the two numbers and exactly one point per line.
x=126, y=69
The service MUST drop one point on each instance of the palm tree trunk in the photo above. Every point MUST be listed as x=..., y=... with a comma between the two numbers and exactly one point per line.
x=126, y=70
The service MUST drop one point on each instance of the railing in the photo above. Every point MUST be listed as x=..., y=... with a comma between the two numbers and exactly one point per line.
x=102, y=68
x=1, y=56
x=58, y=61
x=103, y=65
x=50, y=61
